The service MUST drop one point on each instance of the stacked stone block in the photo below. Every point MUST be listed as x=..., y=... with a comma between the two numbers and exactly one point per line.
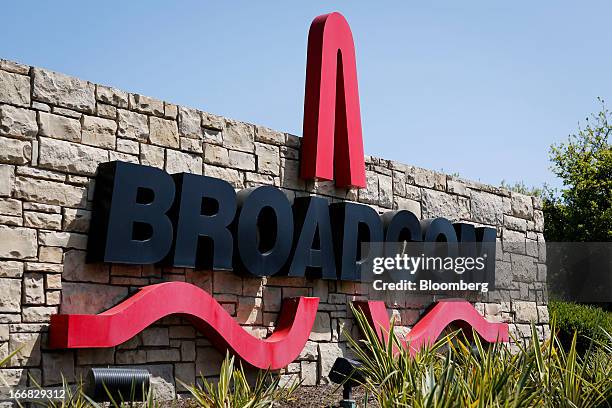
x=56, y=129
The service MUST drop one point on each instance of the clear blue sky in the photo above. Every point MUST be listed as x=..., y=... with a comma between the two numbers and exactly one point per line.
x=480, y=89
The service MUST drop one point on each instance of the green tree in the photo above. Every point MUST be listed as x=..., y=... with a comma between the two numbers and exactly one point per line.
x=582, y=210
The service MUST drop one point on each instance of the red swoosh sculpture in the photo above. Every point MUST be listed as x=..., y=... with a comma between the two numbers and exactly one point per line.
x=426, y=331
x=153, y=302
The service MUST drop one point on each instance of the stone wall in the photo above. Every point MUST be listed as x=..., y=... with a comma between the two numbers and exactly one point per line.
x=55, y=130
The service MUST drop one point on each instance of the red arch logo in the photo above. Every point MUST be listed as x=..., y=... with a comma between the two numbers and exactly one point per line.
x=332, y=143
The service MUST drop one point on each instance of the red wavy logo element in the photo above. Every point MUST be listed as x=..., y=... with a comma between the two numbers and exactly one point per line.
x=444, y=313
x=153, y=302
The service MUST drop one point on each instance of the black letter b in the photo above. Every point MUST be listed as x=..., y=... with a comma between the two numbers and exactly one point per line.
x=129, y=222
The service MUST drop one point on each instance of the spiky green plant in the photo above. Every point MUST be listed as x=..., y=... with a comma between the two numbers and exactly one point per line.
x=74, y=397
x=123, y=401
x=233, y=389
x=460, y=372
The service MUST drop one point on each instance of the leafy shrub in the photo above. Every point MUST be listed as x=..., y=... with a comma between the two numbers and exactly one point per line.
x=233, y=389
x=455, y=373
x=589, y=322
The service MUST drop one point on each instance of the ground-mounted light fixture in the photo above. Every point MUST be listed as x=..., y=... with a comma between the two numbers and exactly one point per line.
x=117, y=383
x=346, y=373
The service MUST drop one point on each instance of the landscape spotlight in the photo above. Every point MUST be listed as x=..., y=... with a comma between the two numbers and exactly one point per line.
x=118, y=384
x=346, y=372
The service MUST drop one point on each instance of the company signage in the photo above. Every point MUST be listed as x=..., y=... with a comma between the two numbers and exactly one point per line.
x=142, y=215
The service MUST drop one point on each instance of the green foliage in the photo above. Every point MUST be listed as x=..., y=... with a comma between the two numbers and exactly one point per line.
x=125, y=401
x=5, y=360
x=582, y=212
x=75, y=397
x=589, y=322
x=520, y=187
x=233, y=389
x=455, y=373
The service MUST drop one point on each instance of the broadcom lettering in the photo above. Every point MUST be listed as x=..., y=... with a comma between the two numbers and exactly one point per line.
x=143, y=215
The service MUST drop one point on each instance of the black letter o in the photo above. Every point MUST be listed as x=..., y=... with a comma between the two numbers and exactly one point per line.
x=265, y=230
